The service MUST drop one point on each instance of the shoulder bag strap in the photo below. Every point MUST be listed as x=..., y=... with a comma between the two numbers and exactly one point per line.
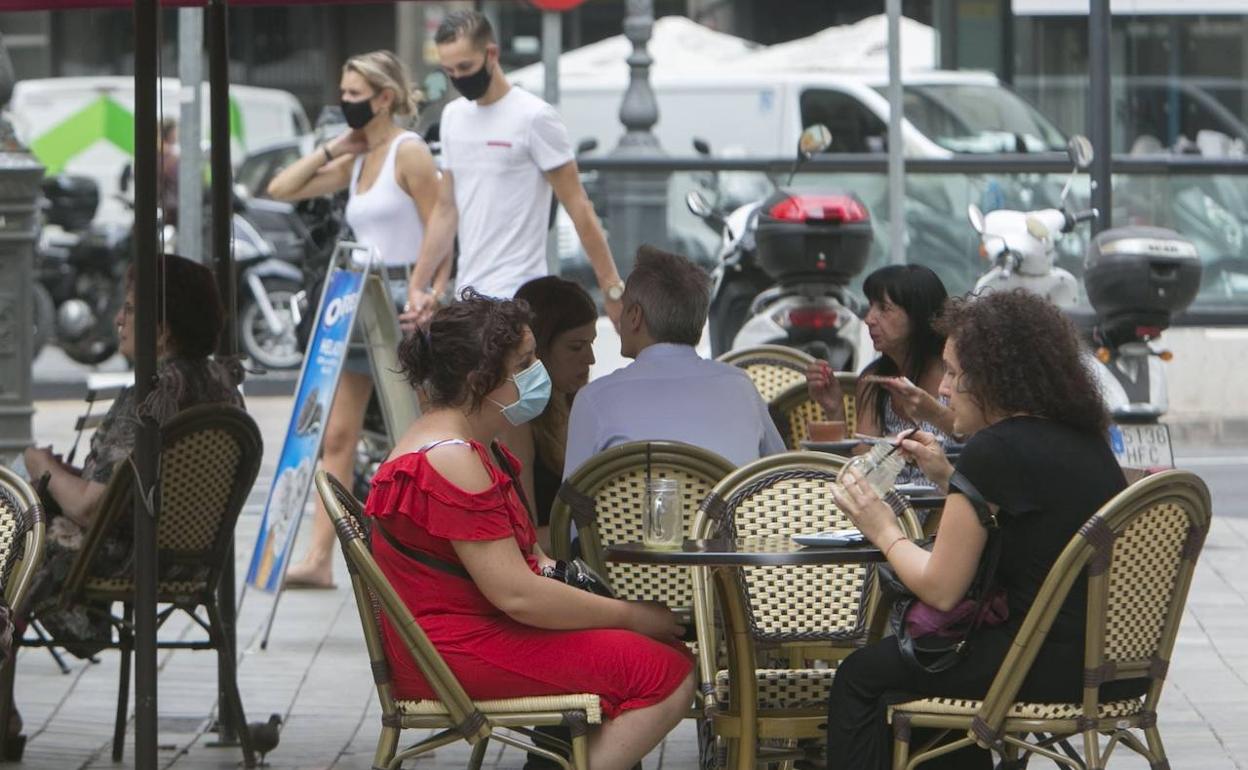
x=505, y=466
x=420, y=556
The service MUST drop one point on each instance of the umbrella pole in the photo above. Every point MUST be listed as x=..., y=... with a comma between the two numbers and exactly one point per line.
x=223, y=261
x=147, y=440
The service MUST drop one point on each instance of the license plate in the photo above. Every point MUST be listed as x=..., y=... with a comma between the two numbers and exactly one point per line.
x=1142, y=446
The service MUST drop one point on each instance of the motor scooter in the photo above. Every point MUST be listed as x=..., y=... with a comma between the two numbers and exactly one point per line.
x=1136, y=277
x=784, y=267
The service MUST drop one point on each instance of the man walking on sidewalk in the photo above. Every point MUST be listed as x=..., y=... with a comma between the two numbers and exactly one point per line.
x=503, y=151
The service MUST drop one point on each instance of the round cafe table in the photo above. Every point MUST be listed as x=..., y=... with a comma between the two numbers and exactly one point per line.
x=725, y=559
x=780, y=551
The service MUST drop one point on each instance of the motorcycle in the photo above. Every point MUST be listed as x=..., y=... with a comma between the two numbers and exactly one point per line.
x=274, y=252
x=81, y=271
x=1137, y=278
x=784, y=266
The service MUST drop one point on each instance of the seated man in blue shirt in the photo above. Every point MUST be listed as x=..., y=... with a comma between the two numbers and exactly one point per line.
x=669, y=392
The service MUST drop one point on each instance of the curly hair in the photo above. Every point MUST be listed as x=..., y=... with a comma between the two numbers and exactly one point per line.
x=461, y=355
x=1019, y=354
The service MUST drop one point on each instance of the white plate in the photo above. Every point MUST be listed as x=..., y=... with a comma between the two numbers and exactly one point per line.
x=831, y=537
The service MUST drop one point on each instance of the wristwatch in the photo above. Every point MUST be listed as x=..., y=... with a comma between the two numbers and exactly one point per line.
x=614, y=292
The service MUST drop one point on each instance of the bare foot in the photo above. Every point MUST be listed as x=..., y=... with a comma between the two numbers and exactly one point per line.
x=309, y=576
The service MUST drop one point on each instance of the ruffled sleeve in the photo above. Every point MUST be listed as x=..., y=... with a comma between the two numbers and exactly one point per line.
x=409, y=487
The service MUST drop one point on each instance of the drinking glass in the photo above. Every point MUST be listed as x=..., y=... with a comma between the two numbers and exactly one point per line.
x=664, y=525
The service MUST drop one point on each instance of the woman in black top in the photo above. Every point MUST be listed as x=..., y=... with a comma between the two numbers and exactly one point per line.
x=564, y=325
x=1039, y=456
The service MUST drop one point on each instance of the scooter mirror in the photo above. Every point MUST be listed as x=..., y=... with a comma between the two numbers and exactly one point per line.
x=699, y=205
x=1079, y=148
x=586, y=145
x=701, y=146
x=977, y=218
x=815, y=139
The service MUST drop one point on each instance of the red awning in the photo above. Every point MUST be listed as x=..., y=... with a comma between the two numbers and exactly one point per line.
x=57, y=5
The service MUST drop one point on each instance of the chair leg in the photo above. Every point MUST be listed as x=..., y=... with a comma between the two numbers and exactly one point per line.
x=126, y=648
x=478, y=754
x=387, y=744
x=1092, y=750
x=580, y=751
x=8, y=673
x=227, y=684
x=1158, y=749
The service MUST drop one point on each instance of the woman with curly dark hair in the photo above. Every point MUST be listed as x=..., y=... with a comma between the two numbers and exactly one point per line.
x=1038, y=455
x=443, y=498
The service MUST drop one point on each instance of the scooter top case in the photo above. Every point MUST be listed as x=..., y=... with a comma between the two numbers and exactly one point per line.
x=815, y=238
x=1138, y=278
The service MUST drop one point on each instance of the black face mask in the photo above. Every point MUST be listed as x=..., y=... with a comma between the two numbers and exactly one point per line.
x=358, y=114
x=473, y=87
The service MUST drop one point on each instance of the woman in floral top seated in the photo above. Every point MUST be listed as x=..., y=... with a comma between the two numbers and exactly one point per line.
x=191, y=318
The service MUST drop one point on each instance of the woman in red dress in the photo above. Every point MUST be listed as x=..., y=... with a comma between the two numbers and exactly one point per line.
x=509, y=631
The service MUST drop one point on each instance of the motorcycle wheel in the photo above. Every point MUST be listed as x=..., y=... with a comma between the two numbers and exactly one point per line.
x=44, y=315
x=100, y=343
x=272, y=351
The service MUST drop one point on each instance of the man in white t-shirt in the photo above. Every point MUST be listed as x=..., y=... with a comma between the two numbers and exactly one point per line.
x=503, y=151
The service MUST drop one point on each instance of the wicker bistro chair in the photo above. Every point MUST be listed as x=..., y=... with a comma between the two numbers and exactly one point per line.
x=814, y=613
x=605, y=498
x=209, y=458
x=21, y=552
x=772, y=368
x=1140, y=552
x=453, y=713
x=793, y=407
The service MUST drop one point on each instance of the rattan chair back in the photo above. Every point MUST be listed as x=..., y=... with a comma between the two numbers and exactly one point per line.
x=1139, y=554
x=784, y=495
x=772, y=368
x=209, y=458
x=374, y=596
x=21, y=537
x=793, y=407
x=605, y=498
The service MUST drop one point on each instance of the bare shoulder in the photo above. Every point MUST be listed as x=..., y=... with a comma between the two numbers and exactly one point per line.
x=461, y=465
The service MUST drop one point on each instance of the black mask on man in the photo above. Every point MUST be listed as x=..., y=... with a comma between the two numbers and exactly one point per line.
x=474, y=86
x=358, y=114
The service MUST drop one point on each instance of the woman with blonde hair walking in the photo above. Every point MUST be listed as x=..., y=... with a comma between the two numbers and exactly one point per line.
x=392, y=181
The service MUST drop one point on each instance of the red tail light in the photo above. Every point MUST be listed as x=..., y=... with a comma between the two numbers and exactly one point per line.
x=814, y=318
x=822, y=208
x=1147, y=332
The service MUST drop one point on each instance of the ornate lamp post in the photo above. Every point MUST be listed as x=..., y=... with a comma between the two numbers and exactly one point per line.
x=20, y=175
x=637, y=201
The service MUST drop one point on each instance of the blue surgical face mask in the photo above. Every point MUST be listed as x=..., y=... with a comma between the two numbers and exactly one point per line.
x=534, y=387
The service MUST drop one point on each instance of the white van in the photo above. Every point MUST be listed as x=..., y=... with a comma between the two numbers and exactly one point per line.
x=85, y=125
x=761, y=115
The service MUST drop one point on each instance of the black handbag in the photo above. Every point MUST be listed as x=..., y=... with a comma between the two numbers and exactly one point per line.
x=985, y=603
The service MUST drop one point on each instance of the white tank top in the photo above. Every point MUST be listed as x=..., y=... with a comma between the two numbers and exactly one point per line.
x=385, y=216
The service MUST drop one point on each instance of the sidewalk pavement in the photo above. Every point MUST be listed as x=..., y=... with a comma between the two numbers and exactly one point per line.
x=315, y=672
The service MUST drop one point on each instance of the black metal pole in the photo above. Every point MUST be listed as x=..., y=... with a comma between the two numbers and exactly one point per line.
x=1100, y=116
x=223, y=262
x=147, y=439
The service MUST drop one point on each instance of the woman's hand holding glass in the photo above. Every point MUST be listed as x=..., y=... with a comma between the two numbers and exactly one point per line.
x=858, y=500
x=824, y=389
x=926, y=451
